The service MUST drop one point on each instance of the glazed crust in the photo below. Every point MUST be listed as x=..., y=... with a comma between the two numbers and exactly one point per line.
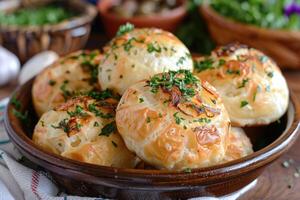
x=238, y=146
x=139, y=54
x=78, y=133
x=170, y=132
x=251, y=85
x=70, y=74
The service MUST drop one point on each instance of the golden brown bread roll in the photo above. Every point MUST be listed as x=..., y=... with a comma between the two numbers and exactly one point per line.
x=83, y=129
x=174, y=121
x=71, y=74
x=251, y=85
x=238, y=146
x=138, y=54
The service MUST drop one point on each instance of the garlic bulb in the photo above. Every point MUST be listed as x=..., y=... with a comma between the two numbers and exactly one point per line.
x=36, y=64
x=9, y=66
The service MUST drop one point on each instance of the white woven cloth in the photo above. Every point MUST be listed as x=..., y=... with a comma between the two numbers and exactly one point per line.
x=22, y=183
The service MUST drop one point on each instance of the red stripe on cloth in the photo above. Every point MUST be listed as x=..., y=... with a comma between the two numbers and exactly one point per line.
x=35, y=178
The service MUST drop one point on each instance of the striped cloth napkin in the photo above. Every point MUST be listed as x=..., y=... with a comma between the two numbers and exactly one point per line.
x=19, y=182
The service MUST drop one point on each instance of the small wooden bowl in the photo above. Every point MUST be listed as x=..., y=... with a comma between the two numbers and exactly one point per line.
x=168, y=22
x=65, y=37
x=84, y=179
x=283, y=46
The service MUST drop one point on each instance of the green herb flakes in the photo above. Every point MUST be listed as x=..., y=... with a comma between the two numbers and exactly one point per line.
x=125, y=29
x=64, y=125
x=178, y=119
x=141, y=100
x=270, y=74
x=153, y=47
x=114, y=144
x=243, y=84
x=96, y=124
x=182, y=79
x=52, y=82
x=108, y=129
x=203, y=65
x=244, y=103
x=78, y=112
x=148, y=120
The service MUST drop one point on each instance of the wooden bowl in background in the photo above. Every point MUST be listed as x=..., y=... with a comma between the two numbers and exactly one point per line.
x=283, y=46
x=85, y=179
x=65, y=37
x=168, y=22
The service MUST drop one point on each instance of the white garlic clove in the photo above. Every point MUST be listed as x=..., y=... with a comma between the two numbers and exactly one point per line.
x=36, y=64
x=9, y=66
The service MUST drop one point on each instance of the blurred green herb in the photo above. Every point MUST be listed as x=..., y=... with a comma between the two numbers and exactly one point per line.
x=48, y=14
x=108, y=129
x=262, y=13
x=193, y=32
x=125, y=29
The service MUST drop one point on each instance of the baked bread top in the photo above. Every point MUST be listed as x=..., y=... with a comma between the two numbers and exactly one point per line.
x=251, y=85
x=174, y=121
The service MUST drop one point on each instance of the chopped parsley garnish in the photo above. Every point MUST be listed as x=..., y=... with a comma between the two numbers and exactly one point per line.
x=178, y=119
x=182, y=79
x=153, y=47
x=255, y=93
x=202, y=120
x=270, y=74
x=52, y=82
x=243, y=84
x=263, y=59
x=141, y=100
x=115, y=144
x=203, y=64
x=221, y=62
x=148, y=120
x=64, y=125
x=244, y=103
x=93, y=108
x=127, y=45
x=125, y=29
x=21, y=116
x=108, y=129
x=78, y=112
x=160, y=115
x=64, y=90
x=96, y=124
x=16, y=102
x=231, y=71
x=88, y=64
x=105, y=94
x=78, y=126
x=181, y=60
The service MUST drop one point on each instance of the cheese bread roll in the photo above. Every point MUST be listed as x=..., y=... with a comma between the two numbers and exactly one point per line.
x=238, y=146
x=74, y=73
x=174, y=121
x=84, y=130
x=138, y=54
x=251, y=85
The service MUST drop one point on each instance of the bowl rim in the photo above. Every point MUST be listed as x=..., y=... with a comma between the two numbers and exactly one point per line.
x=230, y=169
x=206, y=10
x=173, y=13
x=88, y=14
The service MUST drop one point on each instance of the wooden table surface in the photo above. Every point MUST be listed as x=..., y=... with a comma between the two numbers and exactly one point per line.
x=276, y=182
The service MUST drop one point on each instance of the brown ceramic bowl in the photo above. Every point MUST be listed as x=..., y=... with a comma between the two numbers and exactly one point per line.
x=64, y=37
x=167, y=22
x=283, y=46
x=84, y=179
